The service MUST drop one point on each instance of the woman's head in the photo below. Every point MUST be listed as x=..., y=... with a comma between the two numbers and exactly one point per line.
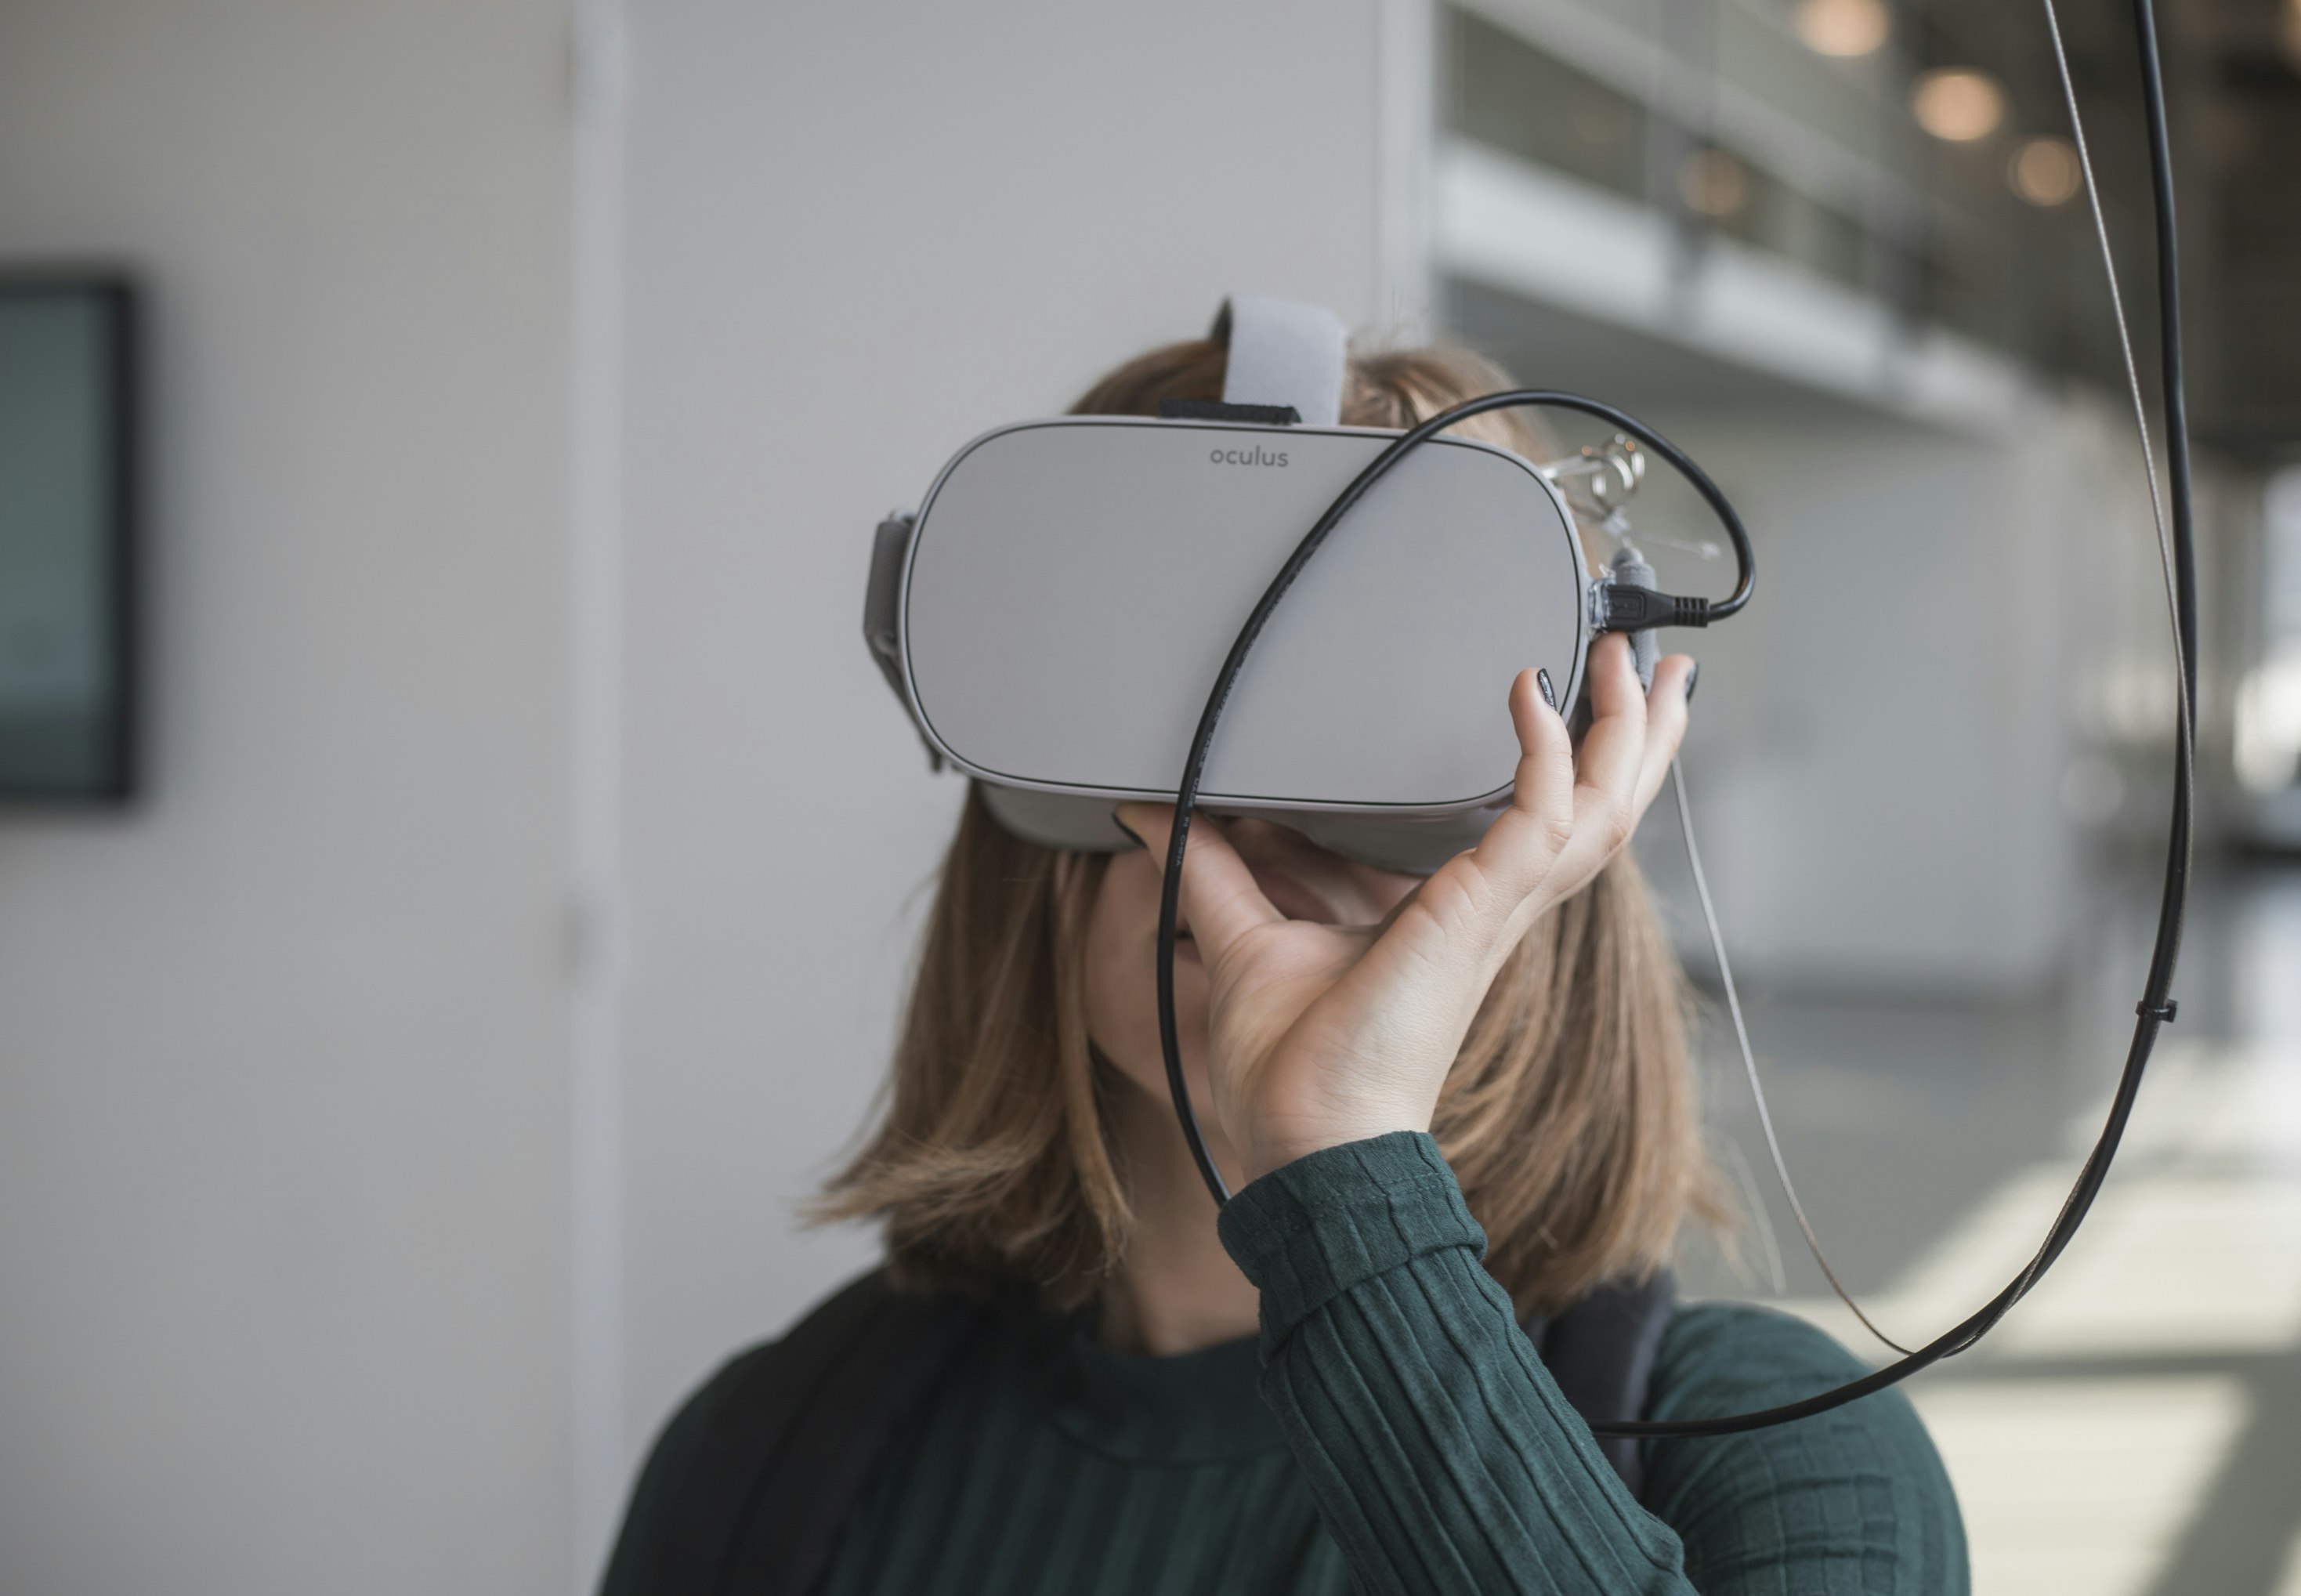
x=1569, y=1116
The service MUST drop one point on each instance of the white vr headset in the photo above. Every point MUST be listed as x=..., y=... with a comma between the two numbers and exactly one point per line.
x=1053, y=615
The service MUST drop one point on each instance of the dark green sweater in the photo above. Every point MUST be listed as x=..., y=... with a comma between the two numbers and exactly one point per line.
x=1405, y=1438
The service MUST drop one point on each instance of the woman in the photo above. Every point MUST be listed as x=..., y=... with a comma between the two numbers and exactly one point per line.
x=1452, y=1109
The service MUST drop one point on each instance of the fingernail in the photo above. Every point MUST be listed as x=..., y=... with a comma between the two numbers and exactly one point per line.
x=1129, y=829
x=1691, y=677
x=1549, y=693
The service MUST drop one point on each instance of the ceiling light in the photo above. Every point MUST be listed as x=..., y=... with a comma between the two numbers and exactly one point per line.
x=2044, y=170
x=1842, y=27
x=1958, y=103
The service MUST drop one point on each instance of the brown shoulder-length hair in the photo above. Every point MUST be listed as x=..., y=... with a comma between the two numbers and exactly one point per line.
x=1570, y=1116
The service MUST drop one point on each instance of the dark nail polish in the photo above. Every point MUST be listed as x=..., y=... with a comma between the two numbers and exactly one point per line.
x=1131, y=831
x=1691, y=677
x=1549, y=693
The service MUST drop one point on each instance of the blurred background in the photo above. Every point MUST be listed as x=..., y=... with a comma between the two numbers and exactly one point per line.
x=404, y=1088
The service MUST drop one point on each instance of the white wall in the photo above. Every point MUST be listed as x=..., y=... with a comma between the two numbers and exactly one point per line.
x=283, y=1051
x=1881, y=742
x=859, y=235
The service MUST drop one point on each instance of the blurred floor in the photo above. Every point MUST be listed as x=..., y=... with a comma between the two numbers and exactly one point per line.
x=2134, y=1427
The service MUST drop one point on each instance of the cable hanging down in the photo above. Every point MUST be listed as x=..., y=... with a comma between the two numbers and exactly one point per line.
x=2177, y=552
x=1750, y=1059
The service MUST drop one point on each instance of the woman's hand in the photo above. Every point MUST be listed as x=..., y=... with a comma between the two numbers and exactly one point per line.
x=1323, y=1034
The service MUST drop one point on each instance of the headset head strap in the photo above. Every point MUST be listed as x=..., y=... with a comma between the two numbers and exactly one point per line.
x=1284, y=353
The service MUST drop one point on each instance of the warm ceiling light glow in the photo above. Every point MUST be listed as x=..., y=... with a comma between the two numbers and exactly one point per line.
x=2289, y=33
x=1713, y=183
x=1842, y=27
x=1958, y=103
x=2044, y=171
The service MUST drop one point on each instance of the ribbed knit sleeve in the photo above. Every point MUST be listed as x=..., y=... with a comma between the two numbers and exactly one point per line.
x=1443, y=1456
x=1441, y=1453
x=1851, y=1499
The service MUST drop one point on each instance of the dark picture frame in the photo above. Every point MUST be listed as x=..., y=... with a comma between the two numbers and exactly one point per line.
x=70, y=695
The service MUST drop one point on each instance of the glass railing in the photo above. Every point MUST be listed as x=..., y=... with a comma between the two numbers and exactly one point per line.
x=1733, y=122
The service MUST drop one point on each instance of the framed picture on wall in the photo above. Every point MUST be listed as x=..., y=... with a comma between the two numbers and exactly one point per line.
x=67, y=538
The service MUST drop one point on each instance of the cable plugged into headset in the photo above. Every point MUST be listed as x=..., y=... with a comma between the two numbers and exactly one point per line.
x=1619, y=607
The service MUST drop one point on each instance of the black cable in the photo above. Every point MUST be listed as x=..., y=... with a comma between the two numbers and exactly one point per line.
x=2156, y=1007
x=2168, y=322
x=2177, y=464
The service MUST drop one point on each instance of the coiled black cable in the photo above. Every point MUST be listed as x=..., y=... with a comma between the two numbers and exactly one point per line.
x=2157, y=1008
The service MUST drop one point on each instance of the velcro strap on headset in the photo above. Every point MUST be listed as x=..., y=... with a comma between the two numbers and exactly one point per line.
x=1284, y=353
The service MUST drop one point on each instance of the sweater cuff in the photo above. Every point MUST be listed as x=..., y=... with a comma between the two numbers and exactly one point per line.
x=1312, y=1230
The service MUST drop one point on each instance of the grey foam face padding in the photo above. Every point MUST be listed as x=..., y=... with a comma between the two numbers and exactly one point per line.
x=1071, y=586
x=1283, y=352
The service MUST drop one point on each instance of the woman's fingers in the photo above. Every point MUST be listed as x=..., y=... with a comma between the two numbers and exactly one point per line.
x=1557, y=799
x=1572, y=811
x=1517, y=850
x=1606, y=774
x=1220, y=898
x=1542, y=786
x=1666, y=718
x=1634, y=734
x=1614, y=746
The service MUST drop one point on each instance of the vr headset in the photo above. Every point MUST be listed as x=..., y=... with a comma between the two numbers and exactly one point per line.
x=1053, y=614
